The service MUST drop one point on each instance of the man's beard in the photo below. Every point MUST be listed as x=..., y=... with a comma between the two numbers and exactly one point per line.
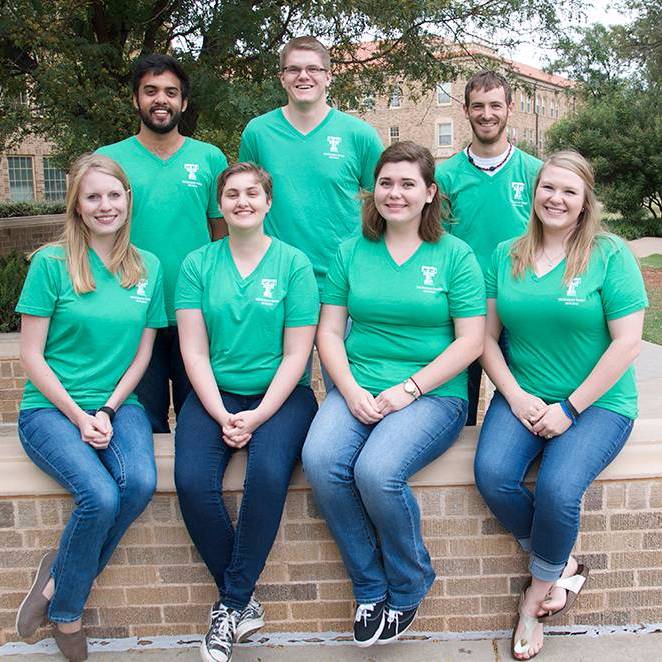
x=492, y=139
x=146, y=119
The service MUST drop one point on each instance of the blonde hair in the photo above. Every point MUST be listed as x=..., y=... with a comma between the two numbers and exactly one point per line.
x=307, y=43
x=582, y=240
x=125, y=259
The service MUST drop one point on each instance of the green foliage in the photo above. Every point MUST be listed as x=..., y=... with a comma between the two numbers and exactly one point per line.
x=528, y=147
x=10, y=209
x=13, y=269
x=74, y=58
x=633, y=228
x=652, y=261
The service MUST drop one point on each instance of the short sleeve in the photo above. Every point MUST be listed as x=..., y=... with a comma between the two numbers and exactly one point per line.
x=371, y=153
x=156, y=314
x=188, y=291
x=336, y=285
x=466, y=290
x=42, y=285
x=623, y=291
x=302, y=302
x=218, y=164
x=247, y=151
x=491, y=276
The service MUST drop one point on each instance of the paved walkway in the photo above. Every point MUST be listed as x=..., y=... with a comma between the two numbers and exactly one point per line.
x=644, y=247
x=566, y=648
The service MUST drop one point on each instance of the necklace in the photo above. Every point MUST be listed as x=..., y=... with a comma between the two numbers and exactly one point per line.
x=551, y=261
x=492, y=167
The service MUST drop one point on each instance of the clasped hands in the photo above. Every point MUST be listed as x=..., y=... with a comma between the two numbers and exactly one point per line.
x=237, y=429
x=538, y=417
x=371, y=409
x=97, y=430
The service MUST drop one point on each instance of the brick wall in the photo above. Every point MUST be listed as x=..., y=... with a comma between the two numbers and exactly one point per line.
x=24, y=234
x=156, y=583
x=12, y=381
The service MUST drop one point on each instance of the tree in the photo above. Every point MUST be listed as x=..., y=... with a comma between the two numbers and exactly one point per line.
x=73, y=58
x=619, y=124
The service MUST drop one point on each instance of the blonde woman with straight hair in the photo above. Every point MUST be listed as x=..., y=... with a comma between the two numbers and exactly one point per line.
x=571, y=298
x=89, y=308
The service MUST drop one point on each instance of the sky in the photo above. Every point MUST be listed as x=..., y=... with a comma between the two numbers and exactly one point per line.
x=600, y=12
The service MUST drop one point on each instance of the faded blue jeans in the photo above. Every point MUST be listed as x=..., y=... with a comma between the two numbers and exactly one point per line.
x=359, y=476
x=110, y=487
x=545, y=523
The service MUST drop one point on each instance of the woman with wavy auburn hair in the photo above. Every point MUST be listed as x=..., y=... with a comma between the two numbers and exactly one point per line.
x=89, y=308
x=417, y=302
x=571, y=298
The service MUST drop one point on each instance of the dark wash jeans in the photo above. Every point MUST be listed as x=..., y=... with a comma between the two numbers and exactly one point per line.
x=165, y=366
x=236, y=558
x=111, y=487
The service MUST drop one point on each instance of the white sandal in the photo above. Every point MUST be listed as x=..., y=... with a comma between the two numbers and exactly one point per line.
x=521, y=645
x=573, y=585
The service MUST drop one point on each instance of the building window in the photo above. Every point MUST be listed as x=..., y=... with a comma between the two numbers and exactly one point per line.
x=55, y=181
x=396, y=98
x=513, y=135
x=537, y=105
x=393, y=134
x=528, y=104
x=445, y=134
x=21, y=181
x=521, y=102
x=542, y=106
x=443, y=93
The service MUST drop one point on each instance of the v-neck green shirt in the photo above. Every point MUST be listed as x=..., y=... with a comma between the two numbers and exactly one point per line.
x=246, y=316
x=558, y=332
x=488, y=209
x=172, y=199
x=402, y=315
x=317, y=179
x=92, y=338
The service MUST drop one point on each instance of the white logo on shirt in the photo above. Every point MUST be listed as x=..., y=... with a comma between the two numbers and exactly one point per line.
x=428, y=274
x=571, y=298
x=518, y=189
x=333, y=141
x=192, y=168
x=268, y=284
x=140, y=296
x=572, y=287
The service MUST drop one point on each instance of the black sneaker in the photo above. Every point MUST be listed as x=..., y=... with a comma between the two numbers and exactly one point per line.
x=217, y=644
x=368, y=623
x=250, y=620
x=397, y=623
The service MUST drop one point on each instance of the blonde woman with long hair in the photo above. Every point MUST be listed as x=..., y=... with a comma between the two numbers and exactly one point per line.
x=90, y=307
x=571, y=298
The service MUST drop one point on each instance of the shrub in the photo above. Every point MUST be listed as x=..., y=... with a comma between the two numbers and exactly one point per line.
x=633, y=228
x=13, y=268
x=10, y=208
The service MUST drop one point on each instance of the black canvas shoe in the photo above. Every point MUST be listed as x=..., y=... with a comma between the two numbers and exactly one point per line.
x=250, y=620
x=397, y=623
x=368, y=623
x=217, y=644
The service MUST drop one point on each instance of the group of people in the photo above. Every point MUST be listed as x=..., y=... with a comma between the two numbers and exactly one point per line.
x=490, y=256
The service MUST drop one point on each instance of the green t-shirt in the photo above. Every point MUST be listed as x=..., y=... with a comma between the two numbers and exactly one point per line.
x=93, y=337
x=172, y=200
x=488, y=209
x=245, y=317
x=317, y=178
x=558, y=332
x=402, y=316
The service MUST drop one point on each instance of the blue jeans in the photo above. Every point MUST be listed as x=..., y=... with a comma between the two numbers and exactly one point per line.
x=359, y=475
x=546, y=522
x=111, y=487
x=236, y=558
x=165, y=366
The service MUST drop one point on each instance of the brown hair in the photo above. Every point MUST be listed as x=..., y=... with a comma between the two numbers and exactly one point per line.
x=581, y=241
x=487, y=80
x=124, y=258
x=261, y=175
x=430, y=228
x=307, y=43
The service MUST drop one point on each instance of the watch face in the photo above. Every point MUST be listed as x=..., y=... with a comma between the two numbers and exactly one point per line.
x=409, y=387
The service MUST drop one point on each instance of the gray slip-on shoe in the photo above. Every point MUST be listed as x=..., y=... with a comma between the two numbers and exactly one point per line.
x=72, y=645
x=33, y=609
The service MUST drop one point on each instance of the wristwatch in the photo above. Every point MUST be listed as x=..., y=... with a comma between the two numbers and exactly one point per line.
x=411, y=389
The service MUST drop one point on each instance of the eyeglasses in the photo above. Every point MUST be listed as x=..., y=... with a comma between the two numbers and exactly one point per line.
x=311, y=70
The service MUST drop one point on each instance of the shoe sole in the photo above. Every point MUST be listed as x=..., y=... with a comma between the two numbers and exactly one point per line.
x=374, y=638
x=383, y=642
x=249, y=628
x=206, y=656
x=29, y=593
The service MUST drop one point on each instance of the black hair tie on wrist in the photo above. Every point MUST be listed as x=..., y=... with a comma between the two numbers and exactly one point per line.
x=108, y=410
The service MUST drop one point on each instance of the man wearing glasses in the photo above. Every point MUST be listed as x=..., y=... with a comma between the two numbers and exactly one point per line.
x=319, y=157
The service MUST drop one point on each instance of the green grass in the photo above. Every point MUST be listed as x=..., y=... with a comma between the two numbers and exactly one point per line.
x=653, y=319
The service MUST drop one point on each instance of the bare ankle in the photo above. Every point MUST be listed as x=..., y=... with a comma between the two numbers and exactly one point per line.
x=69, y=628
x=49, y=589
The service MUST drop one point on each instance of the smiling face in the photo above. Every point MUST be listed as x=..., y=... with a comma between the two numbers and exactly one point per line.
x=401, y=193
x=103, y=203
x=559, y=199
x=488, y=113
x=159, y=101
x=304, y=78
x=244, y=202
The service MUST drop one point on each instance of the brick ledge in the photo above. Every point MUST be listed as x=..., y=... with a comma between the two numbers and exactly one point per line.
x=640, y=459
